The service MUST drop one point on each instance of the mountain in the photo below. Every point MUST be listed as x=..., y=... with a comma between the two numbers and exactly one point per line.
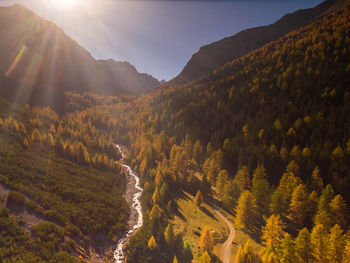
x=269, y=130
x=125, y=75
x=270, y=105
x=220, y=52
x=39, y=63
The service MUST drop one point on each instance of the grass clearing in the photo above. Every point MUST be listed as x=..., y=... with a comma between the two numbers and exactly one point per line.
x=241, y=238
x=191, y=221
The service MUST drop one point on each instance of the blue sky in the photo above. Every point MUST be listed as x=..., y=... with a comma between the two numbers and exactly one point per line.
x=158, y=37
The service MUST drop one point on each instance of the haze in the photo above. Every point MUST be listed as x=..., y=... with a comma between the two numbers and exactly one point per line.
x=158, y=37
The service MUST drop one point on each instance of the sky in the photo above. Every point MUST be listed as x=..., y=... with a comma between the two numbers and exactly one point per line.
x=157, y=37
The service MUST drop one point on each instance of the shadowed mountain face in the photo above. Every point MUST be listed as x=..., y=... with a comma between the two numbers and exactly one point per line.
x=39, y=63
x=125, y=75
x=218, y=53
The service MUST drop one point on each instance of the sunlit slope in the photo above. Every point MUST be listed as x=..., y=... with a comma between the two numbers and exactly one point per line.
x=291, y=93
x=192, y=219
x=216, y=54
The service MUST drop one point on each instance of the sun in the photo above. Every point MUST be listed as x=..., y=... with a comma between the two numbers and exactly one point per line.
x=65, y=4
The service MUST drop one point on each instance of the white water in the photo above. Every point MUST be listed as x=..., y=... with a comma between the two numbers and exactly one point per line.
x=119, y=255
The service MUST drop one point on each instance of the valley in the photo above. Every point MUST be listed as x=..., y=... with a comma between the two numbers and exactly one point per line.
x=244, y=160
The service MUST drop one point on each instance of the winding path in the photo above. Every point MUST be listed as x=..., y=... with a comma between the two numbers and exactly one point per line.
x=225, y=253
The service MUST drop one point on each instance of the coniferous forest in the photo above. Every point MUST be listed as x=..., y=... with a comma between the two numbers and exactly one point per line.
x=265, y=139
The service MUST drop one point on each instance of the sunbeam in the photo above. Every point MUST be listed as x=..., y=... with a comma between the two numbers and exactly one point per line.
x=65, y=4
x=15, y=61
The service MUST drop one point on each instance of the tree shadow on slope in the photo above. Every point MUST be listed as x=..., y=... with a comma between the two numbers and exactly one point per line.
x=208, y=213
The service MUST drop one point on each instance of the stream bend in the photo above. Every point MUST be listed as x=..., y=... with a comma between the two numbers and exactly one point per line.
x=135, y=219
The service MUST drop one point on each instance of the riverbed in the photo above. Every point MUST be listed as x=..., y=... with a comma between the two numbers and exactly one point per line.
x=133, y=194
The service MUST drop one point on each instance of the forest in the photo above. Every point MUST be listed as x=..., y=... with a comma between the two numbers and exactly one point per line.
x=265, y=137
x=267, y=130
x=64, y=171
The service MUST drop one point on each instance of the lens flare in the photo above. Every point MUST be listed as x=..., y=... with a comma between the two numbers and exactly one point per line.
x=15, y=62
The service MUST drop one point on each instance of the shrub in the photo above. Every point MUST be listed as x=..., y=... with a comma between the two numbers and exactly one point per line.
x=16, y=198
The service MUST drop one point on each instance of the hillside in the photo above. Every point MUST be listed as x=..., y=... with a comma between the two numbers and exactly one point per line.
x=39, y=63
x=293, y=99
x=257, y=150
x=59, y=182
x=125, y=75
x=269, y=131
x=214, y=55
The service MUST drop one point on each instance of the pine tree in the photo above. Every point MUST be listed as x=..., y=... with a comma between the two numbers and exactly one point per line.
x=60, y=130
x=324, y=218
x=25, y=143
x=338, y=153
x=287, y=250
x=35, y=135
x=52, y=129
x=284, y=153
x=159, y=179
x=270, y=257
x=156, y=212
x=336, y=244
x=164, y=192
x=156, y=196
x=295, y=153
x=169, y=235
x=312, y=203
x=205, y=258
x=282, y=196
x=209, y=148
x=277, y=204
x=306, y=153
x=239, y=258
x=273, y=233
x=316, y=181
x=278, y=125
x=206, y=241
x=339, y=211
x=346, y=253
x=50, y=140
x=15, y=126
x=221, y=181
x=242, y=179
x=197, y=151
x=246, y=210
x=261, y=190
x=152, y=243
x=303, y=247
x=298, y=206
x=293, y=167
x=248, y=254
x=319, y=244
x=323, y=215
x=199, y=198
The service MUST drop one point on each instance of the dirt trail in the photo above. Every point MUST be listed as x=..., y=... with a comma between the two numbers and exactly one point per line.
x=225, y=254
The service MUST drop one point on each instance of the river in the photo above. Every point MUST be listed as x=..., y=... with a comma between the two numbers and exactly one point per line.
x=133, y=194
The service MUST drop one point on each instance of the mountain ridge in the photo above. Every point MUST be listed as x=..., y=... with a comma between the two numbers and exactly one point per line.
x=40, y=63
x=216, y=54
